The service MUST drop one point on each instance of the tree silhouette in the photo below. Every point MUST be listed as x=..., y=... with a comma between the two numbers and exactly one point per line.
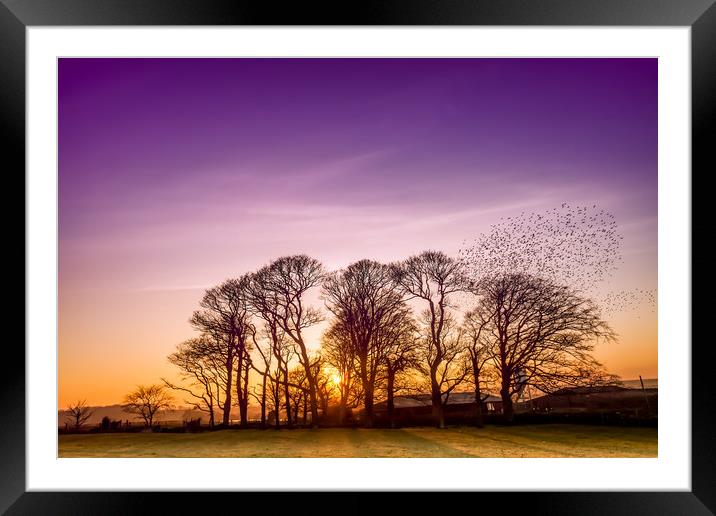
x=269, y=376
x=539, y=333
x=223, y=315
x=477, y=345
x=434, y=278
x=278, y=290
x=401, y=357
x=339, y=353
x=147, y=402
x=364, y=300
x=277, y=353
x=202, y=365
x=78, y=414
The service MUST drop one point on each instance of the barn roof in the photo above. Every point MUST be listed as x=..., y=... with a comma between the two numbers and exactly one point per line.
x=424, y=400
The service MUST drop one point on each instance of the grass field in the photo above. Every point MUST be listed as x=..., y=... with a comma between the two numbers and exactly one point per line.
x=491, y=441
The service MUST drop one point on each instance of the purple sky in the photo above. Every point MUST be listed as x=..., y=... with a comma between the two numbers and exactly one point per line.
x=176, y=173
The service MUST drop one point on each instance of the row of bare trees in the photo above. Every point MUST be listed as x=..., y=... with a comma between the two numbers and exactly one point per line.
x=254, y=323
x=420, y=325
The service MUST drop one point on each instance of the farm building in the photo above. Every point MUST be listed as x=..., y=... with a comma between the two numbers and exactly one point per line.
x=601, y=405
x=460, y=406
x=594, y=399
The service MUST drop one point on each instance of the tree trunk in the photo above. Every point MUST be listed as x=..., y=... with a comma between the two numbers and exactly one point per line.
x=478, y=395
x=263, y=401
x=436, y=395
x=305, y=408
x=312, y=387
x=342, y=409
x=367, y=393
x=369, y=407
x=438, y=408
x=314, y=402
x=239, y=386
x=229, y=377
x=211, y=411
x=479, y=419
x=324, y=404
x=439, y=415
x=508, y=414
x=390, y=405
x=277, y=405
x=296, y=407
x=345, y=392
x=506, y=377
x=244, y=402
x=287, y=395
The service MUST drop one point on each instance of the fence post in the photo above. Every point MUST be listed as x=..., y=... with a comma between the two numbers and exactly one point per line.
x=646, y=398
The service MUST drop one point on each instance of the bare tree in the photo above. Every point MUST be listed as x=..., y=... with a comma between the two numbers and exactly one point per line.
x=201, y=362
x=278, y=291
x=224, y=315
x=267, y=360
x=274, y=400
x=539, y=333
x=339, y=353
x=258, y=393
x=78, y=413
x=326, y=389
x=276, y=387
x=147, y=402
x=264, y=305
x=364, y=299
x=478, y=350
x=433, y=278
x=243, y=368
x=401, y=356
x=297, y=395
x=442, y=362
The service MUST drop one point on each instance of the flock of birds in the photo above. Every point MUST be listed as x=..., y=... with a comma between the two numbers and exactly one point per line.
x=627, y=300
x=577, y=246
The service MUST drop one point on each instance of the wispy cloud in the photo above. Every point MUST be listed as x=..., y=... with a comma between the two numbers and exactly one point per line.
x=170, y=288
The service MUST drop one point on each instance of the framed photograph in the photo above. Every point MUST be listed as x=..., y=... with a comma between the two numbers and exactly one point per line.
x=418, y=248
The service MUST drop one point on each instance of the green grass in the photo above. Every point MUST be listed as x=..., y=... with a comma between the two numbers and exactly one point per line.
x=491, y=441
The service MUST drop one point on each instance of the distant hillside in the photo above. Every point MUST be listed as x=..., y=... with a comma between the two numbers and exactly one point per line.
x=115, y=412
x=649, y=383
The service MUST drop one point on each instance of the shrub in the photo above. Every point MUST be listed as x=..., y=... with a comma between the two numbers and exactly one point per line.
x=193, y=425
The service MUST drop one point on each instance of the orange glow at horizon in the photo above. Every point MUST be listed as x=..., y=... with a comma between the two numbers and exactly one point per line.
x=103, y=356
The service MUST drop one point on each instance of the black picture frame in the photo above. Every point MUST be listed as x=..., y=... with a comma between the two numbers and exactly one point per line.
x=700, y=15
